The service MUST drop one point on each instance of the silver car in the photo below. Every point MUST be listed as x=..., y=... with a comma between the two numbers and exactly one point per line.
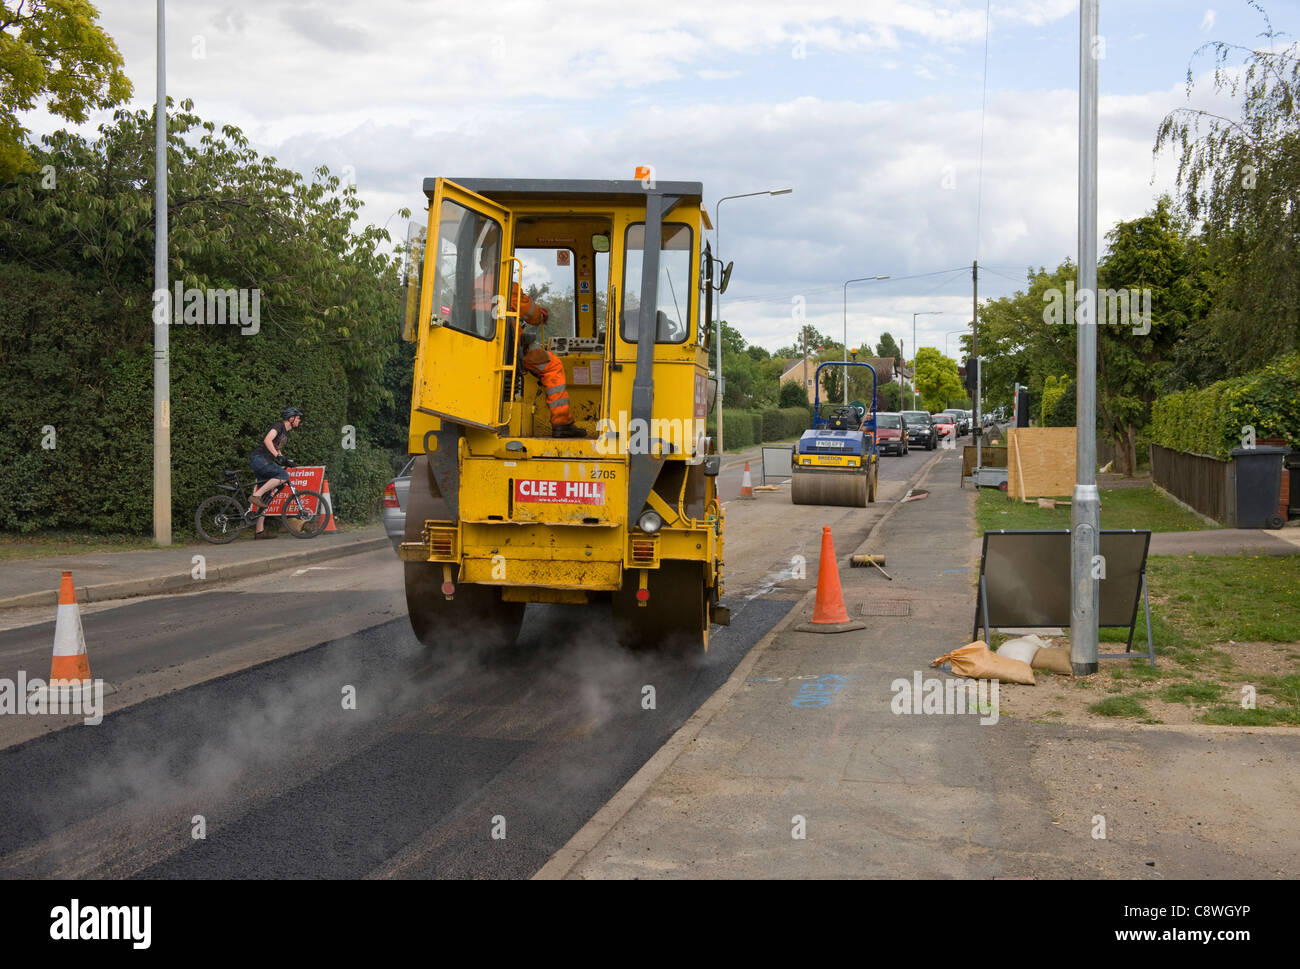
x=395, y=495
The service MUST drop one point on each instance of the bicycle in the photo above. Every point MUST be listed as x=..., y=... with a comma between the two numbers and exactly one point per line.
x=221, y=518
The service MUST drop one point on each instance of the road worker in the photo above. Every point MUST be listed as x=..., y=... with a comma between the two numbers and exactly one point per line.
x=549, y=369
x=485, y=288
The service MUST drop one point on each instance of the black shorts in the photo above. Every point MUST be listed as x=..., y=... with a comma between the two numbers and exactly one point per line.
x=266, y=469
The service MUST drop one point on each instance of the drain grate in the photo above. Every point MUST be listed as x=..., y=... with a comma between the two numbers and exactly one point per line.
x=885, y=607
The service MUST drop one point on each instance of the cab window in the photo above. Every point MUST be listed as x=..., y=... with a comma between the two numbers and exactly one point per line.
x=466, y=268
x=549, y=280
x=672, y=315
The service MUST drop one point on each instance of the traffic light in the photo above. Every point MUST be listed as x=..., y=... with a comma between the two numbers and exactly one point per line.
x=971, y=376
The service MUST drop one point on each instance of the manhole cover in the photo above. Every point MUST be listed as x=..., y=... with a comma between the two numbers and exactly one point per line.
x=885, y=607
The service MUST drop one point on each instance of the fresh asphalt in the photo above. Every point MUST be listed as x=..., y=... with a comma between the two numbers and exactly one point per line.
x=440, y=750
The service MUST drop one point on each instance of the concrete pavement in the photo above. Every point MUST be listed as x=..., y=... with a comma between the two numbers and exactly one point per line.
x=1227, y=541
x=799, y=767
x=119, y=575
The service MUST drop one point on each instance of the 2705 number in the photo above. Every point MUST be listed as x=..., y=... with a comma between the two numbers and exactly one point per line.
x=599, y=473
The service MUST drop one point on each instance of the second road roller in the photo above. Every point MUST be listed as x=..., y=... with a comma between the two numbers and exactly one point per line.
x=837, y=460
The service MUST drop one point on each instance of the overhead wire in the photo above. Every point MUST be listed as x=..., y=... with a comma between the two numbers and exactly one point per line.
x=984, y=100
x=827, y=289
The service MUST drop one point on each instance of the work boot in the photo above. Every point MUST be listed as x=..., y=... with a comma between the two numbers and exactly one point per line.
x=259, y=502
x=567, y=430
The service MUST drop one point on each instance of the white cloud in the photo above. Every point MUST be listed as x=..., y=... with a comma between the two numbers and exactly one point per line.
x=400, y=91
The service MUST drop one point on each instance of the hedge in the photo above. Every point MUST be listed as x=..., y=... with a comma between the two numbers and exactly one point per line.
x=746, y=428
x=1212, y=420
x=795, y=420
x=76, y=405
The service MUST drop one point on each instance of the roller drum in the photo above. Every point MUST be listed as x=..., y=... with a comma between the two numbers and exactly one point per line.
x=829, y=488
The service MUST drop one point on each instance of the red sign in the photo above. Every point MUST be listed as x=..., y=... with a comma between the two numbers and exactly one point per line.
x=308, y=478
x=541, y=490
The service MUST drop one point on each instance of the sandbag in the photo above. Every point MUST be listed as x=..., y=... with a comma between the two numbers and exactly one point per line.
x=1022, y=648
x=1053, y=659
x=977, y=661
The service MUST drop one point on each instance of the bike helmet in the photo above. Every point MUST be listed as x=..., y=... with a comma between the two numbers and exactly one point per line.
x=290, y=412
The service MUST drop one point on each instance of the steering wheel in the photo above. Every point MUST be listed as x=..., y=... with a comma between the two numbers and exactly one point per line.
x=845, y=418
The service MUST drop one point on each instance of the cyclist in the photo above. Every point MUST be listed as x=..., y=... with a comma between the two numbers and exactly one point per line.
x=271, y=475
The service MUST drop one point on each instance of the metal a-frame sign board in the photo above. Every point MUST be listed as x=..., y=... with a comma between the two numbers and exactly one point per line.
x=1025, y=582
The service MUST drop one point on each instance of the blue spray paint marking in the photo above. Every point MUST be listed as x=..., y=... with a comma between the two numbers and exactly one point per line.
x=946, y=571
x=821, y=691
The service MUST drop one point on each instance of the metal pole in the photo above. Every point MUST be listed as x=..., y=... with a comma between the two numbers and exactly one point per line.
x=860, y=279
x=717, y=244
x=1086, y=506
x=978, y=430
x=162, y=445
x=914, y=360
x=914, y=345
x=846, y=342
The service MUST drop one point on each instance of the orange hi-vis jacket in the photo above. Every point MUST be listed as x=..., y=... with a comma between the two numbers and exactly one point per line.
x=484, y=294
x=549, y=369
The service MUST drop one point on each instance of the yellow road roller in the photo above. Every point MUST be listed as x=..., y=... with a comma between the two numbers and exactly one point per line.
x=558, y=413
x=837, y=461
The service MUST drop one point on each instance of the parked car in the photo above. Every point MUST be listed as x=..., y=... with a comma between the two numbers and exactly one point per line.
x=962, y=418
x=945, y=425
x=920, y=429
x=891, y=434
x=395, y=495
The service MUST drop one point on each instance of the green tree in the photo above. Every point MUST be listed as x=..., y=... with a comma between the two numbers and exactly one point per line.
x=1017, y=345
x=328, y=322
x=52, y=49
x=1152, y=256
x=890, y=397
x=1053, y=390
x=888, y=348
x=1241, y=179
x=937, y=380
x=1064, y=412
x=792, y=395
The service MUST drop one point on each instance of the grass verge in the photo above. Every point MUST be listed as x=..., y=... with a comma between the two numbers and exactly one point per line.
x=1120, y=508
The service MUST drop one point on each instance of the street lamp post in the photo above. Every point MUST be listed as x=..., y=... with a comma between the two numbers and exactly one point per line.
x=717, y=244
x=1085, y=513
x=914, y=316
x=948, y=334
x=163, y=311
x=860, y=279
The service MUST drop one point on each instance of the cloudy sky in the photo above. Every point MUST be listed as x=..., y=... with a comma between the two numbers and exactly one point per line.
x=870, y=110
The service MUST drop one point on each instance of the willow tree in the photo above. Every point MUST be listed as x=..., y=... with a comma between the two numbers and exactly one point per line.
x=1240, y=178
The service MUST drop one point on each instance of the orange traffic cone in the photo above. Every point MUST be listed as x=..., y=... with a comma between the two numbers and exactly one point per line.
x=70, y=661
x=329, y=503
x=829, y=614
x=747, y=484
